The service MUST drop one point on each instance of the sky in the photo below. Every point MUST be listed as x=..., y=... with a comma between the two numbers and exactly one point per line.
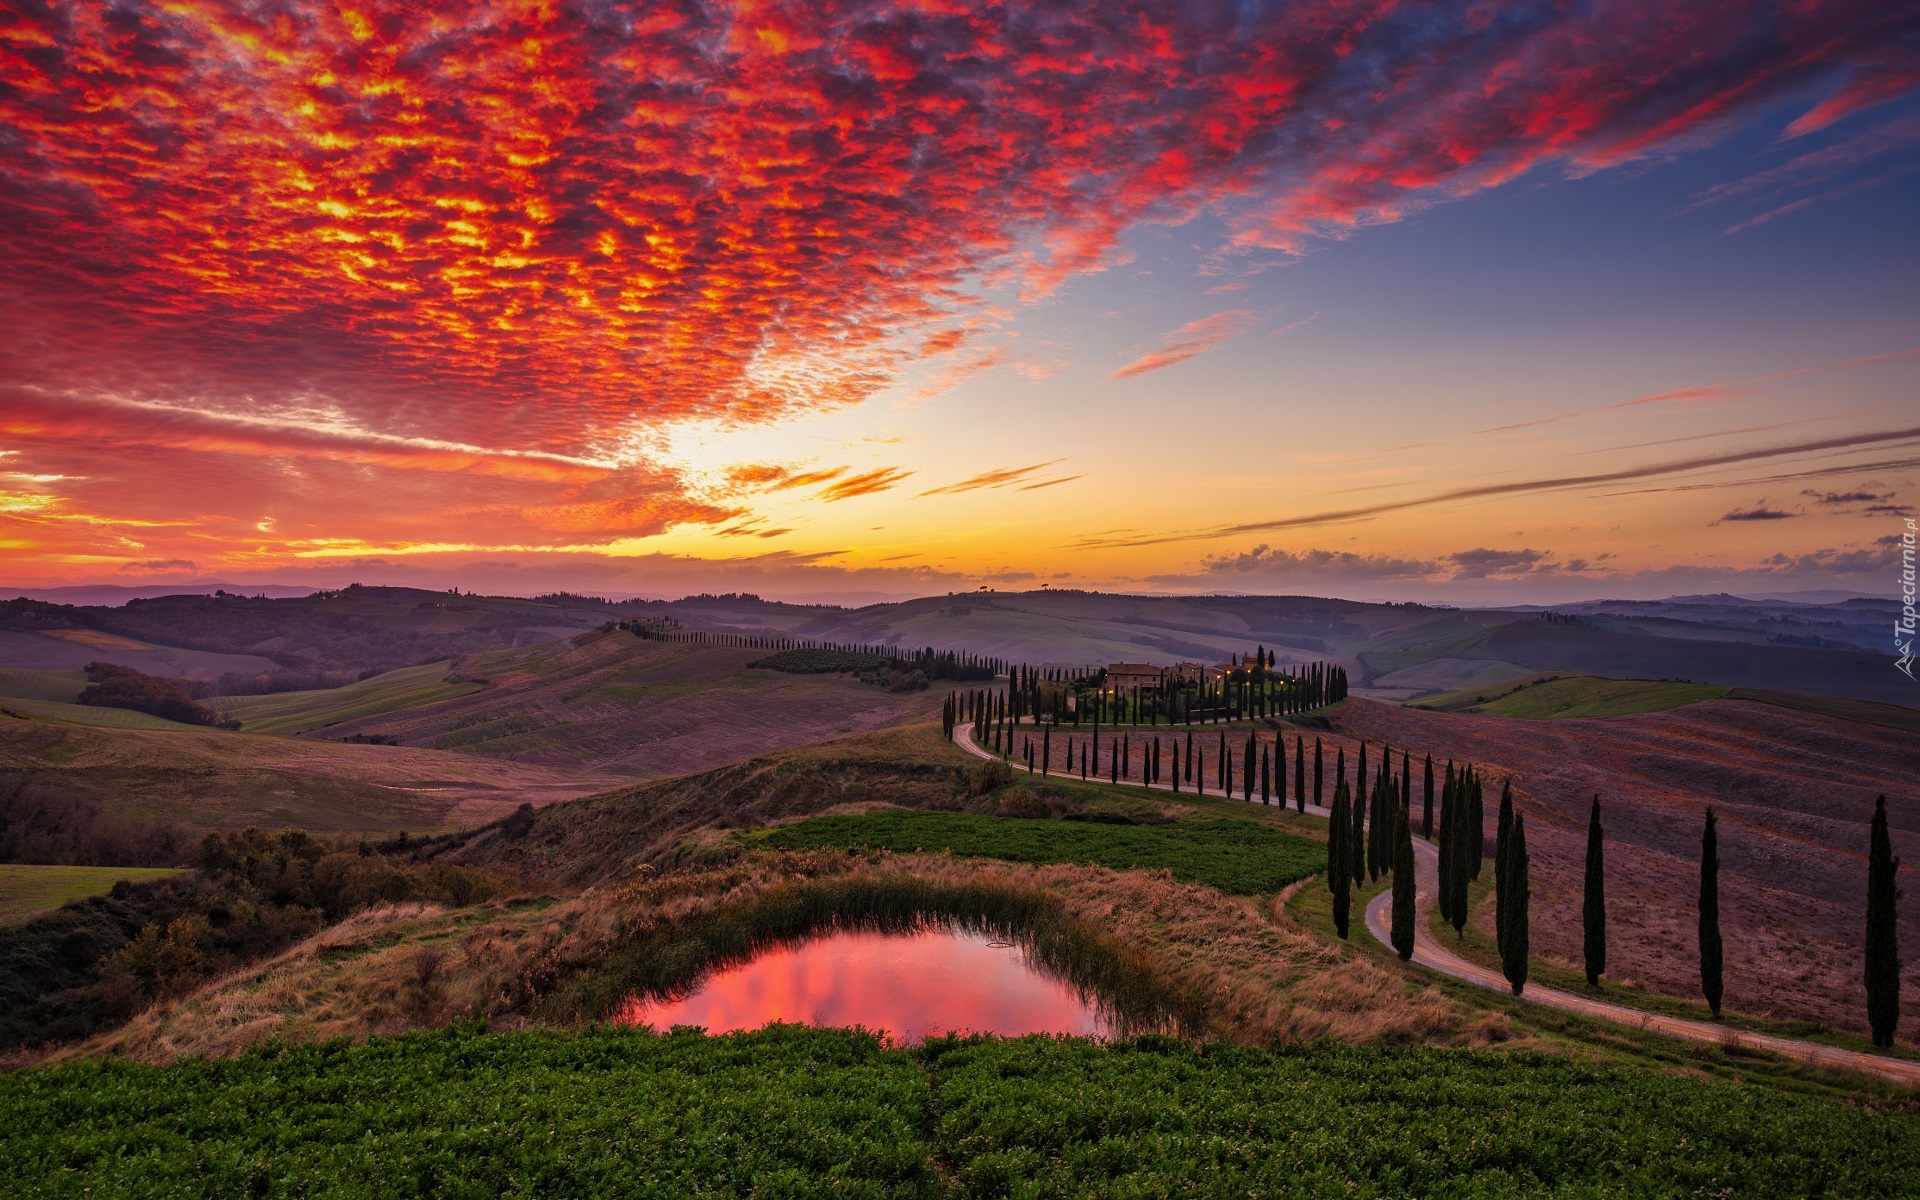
x=844, y=301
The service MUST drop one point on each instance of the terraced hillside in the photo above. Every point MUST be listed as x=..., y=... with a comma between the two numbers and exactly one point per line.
x=612, y=701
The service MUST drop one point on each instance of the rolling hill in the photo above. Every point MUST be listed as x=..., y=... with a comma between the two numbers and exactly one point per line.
x=215, y=779
x=1393, y=651
x=612, y=701
x=298, y=712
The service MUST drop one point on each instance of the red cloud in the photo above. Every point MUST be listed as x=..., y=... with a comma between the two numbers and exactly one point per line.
x=461, y=226
x=532, y=222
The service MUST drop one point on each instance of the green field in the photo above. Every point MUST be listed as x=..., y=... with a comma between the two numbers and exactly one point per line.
x=50, y=696
x=60, y=687
x=27, y=891
x=1544, y=696
x=1242, y=857
x=87, y=714
x=797, y=1112
x=297, y=712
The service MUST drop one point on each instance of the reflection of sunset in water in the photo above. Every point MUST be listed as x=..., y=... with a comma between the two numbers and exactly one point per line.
x=912, y=986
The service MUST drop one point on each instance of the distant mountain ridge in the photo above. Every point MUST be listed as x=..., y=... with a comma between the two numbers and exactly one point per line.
x=1394, y=651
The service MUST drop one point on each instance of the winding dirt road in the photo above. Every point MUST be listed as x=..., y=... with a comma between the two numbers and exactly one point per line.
x=1432, y=954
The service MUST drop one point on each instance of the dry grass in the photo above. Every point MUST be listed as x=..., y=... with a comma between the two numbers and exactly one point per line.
x=1261, y=975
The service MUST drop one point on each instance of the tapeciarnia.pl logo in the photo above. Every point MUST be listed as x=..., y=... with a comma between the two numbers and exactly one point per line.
x=1904, y=627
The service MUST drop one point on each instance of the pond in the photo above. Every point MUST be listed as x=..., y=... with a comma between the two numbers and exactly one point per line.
x=911, y=985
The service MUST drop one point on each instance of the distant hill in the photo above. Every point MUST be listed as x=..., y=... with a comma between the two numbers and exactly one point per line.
x=61, y=784
x=613, y=701
x=108, y=594
x=1392, y=651
x=355, y=629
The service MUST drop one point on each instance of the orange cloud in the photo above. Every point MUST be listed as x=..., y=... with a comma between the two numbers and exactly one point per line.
x=98, y=423
x=881, y=480
x=991, y=479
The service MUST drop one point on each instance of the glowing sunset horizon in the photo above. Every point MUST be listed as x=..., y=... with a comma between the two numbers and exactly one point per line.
x=1345, y=297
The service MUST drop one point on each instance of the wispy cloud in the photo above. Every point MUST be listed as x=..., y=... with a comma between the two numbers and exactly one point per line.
x=1047, y=483
x=1192, y=339
x=998, y=478
x=884, y=479
x=1521, y=487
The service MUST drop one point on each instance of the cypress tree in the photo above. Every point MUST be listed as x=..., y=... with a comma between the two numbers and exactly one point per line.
x=1266, y=779
x=1476, y=826
x=1513, y=939
x=1426, y=808
x=1449, y=821
x=1339, y=869
x=1318, y=762
x=1403, y=881
x=1280, y=768
x=1357, y=848
x=1883, y=942
x=1406, y=782
x=1246, y=774
x=1380, y=825
x=1360, y=771
x=1046, y=751
x=1505, y=830
x=1593, y=911
x=1300, y=773
x=1711, y=950
x=1372, y=793
x=1226, y=768
x=1462, y=856
x=1189, y=767
x=1175, y=773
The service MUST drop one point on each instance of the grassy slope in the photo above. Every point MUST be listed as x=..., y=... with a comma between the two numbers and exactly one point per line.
x=87, y=714
x=212, y=778
x=73, y=649
x=27, y=891
x=1893, y=716
x=605, y=837
x=58, y=687
x=298, y=712
x=641, y=707
x=1239, y=857
x=1544, y=695
x=662, y=822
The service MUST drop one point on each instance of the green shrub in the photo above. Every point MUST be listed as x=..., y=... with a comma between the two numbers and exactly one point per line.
x=798, y=1112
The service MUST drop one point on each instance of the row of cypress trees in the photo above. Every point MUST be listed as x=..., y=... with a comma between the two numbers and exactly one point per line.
x=1366, y=841
x=1041, y=694
x=1882, y=957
